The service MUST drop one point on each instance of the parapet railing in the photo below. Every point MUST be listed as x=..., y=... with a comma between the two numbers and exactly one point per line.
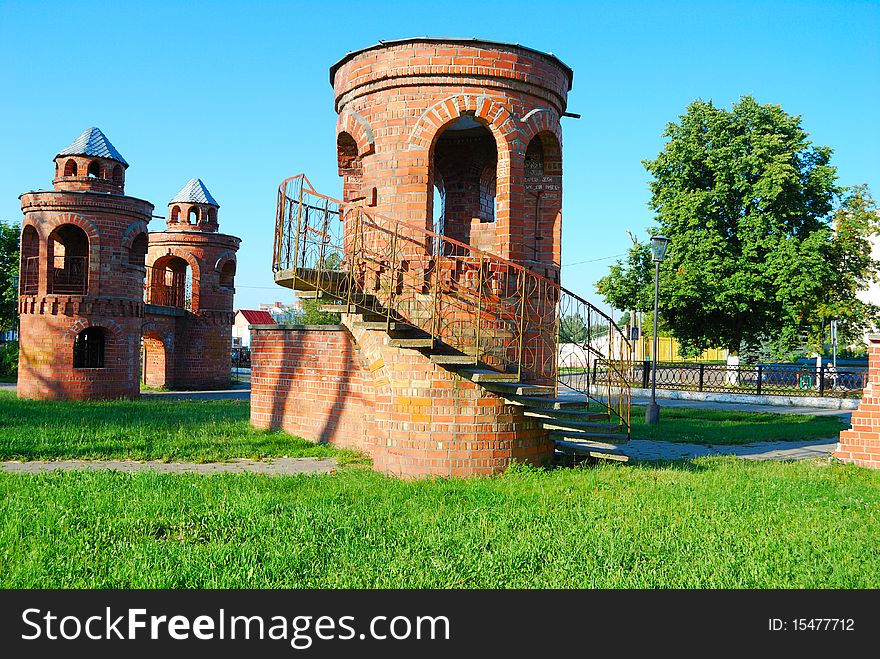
x=495, y=310
x=168, y=288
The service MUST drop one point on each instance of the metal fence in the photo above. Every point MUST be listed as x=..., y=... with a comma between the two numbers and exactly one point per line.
x=758, y=379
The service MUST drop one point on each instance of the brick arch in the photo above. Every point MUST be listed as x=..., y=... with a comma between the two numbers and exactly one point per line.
x=93, y=234
x=186, y=256
x=164, y=334
x=133, y=231
x=359, y=128
x=76, y=326
x=494, y=115
x=539, y=120
x=224, y=258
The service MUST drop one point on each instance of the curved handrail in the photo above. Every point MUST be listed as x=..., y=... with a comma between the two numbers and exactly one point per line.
x=500, y=312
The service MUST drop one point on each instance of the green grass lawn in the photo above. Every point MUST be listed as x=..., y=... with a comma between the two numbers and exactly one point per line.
x=203, y=431
x=710, y=523
x=719, y=427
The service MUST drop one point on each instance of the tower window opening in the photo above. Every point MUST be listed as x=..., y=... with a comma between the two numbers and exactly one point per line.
x=94, y=169
x=88, y=348
x=68, y=261
x=70, y=168
x=118, y=176
x=193, y=216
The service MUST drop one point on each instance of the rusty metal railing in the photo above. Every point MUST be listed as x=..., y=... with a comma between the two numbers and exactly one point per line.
x=495, y=310
x=68, y=275
x=169, y=288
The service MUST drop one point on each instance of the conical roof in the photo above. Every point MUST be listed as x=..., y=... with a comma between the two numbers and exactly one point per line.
x=92, y=142
x=194, y=192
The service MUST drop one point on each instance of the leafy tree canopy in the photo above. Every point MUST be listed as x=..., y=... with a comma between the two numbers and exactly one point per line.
x=747, y=201
x=630, y=285
x=8, y=271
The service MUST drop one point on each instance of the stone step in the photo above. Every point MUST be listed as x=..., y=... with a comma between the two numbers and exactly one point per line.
x=411, y=343
x=567, y=415
x=580, y=426
x=482, y=375
x=574, y=436
x=546, y=402
x=517, y=389
x=453, y=359
x=596, y=454
x=393, y=326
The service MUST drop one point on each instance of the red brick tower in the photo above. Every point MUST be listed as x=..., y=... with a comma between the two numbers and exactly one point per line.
x=83, y=247
x=190, y=287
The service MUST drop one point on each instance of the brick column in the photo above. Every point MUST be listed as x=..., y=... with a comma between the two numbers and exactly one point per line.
x=861, y=443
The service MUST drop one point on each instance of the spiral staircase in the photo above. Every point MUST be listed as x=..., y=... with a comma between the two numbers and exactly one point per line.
x=491, y=320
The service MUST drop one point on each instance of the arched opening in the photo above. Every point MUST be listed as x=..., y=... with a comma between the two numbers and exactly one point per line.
x=175, y=214
x=68, y=260
x=118, y=175
x=154, y=361
x=349, y=166
x=70, y=168
x=464, y=166
x=89, y=347
x=29, y=268
x=94, y=169
x=543, y=186
x=227, y=275
x=193, y=215
x=171, y=283
x=137, y=253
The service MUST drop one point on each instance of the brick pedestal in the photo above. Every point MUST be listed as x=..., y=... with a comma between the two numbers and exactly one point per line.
x=413, y=417
x=861, y=443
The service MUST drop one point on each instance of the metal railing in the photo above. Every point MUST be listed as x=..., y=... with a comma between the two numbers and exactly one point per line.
x=169, y=288
x=68, y=275
x=757, y=379
x=492, y=309
x=29, y=282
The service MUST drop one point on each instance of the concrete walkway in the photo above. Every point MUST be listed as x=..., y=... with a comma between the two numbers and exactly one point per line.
x=273, y=467
x=643, y=449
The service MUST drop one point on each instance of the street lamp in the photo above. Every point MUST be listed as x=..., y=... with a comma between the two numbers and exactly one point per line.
x=658, y=253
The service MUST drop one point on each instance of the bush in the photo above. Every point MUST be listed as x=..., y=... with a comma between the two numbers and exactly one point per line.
x=9, y=359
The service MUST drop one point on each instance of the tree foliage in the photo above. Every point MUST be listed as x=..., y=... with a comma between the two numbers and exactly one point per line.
x=9, y=235
x=630, y=285
x=747, y=202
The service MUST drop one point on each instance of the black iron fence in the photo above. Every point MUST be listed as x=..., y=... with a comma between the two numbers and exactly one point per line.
x=758, y=379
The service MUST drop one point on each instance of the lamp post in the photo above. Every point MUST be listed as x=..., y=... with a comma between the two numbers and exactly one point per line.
x=658, y=253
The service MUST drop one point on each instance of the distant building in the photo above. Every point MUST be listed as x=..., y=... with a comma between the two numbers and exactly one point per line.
x=241, y=335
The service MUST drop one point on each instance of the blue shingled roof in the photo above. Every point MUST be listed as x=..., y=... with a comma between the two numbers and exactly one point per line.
x=195, y=192
x=92, y=142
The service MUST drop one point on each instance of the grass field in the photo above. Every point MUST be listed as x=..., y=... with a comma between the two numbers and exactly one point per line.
x=720, y=427
x=203, y=431
x=710, y=523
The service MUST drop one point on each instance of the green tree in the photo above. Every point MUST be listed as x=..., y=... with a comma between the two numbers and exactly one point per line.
x=746, y=200
x=9, y=234
x=629, y=285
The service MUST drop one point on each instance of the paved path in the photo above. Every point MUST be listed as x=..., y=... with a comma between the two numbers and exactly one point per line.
x=747, y=407
x=273, y=467
x=643, y=449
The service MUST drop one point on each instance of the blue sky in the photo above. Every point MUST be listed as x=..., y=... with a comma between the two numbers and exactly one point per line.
x=238, y=94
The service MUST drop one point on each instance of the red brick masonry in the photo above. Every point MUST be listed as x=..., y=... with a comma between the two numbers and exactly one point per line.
x=861, y=443
x=413, y=417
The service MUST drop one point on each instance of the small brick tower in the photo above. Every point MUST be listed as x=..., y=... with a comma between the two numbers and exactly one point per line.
x=190, y=286
x=83, y=247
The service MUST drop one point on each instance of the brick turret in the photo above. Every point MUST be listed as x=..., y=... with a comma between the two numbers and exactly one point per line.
x=83, y=247
x=190, y=288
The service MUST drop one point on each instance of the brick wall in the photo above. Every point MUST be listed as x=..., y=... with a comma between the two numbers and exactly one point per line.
x=413, y=417
x=861, y=443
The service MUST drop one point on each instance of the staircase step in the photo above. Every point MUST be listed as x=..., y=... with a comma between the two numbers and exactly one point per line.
x=580, y=426
x=411, y=343
x=545, y=402
x=314, y=295
x=597, y=454
x=568, y=415
x=452, y=359
x=334, y=308
x=393, y=326
x=588, y=437
x=516, y=389
x=487, y=375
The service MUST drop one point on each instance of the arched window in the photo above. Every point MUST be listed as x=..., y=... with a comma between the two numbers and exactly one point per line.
x=464, y=161
x=349, y=166
x=175, y=214
x=30, y=261
x=193, y=215
x=94, y=169
x=171, y=283
x=68, y=252
x=70, y=168
x=88, y=348
x=227, y=275
x=118, y=175
x=137, y=253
